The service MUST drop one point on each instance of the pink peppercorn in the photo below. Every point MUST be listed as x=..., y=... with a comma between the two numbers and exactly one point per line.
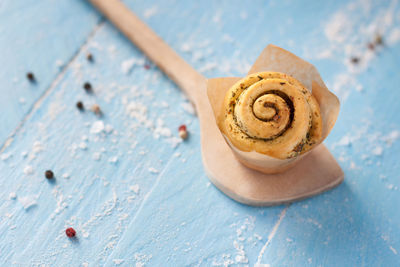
x=70, y=232
x=182, y=127
x=182, y=131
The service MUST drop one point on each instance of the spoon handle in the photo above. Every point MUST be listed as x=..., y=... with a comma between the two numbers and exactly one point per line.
x=186, y=77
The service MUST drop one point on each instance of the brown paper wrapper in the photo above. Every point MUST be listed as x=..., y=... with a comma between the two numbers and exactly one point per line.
x=276, y=59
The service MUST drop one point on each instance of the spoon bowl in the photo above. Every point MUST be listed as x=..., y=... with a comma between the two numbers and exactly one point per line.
x=316, y=172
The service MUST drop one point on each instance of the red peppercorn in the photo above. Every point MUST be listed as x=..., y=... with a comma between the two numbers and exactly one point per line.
x=183, y=132
x=182, y=127
x=70, y=232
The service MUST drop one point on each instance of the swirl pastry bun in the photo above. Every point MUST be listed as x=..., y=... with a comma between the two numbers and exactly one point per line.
x=273, y=114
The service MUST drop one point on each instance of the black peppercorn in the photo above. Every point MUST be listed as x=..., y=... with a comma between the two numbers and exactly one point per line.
x=87, y=86
x=355, y=60
x=49, y=174
x=89, y=57
x=79, y=105
x=30, y=77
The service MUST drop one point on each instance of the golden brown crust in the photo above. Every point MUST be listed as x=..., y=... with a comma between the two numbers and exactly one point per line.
x=271, y=113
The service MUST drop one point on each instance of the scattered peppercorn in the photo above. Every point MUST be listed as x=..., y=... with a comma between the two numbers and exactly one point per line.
x=80, y=106
x=378, y=39
x=87, y=86
x=49, y=174
x=30, y=77
x=89, y=57
x=70, y=232
x=371, y=46
x=146, y=66
x=96, y=109
x=183, y=132
x=355, y=60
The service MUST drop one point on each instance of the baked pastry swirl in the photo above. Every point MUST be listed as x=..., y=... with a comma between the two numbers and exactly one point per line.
x=273, y=114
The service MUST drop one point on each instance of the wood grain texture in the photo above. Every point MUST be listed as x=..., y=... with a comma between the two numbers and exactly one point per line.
x=177, y=218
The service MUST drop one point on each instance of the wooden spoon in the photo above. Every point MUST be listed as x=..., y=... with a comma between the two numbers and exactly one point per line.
x=317, y=172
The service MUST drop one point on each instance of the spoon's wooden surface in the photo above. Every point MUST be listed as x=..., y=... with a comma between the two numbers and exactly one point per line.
x=317, y=172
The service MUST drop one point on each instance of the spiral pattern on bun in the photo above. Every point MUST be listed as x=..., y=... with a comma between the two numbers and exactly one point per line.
x=273, y=114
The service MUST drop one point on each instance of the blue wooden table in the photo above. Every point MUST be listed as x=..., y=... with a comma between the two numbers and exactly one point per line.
x=138, y=196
